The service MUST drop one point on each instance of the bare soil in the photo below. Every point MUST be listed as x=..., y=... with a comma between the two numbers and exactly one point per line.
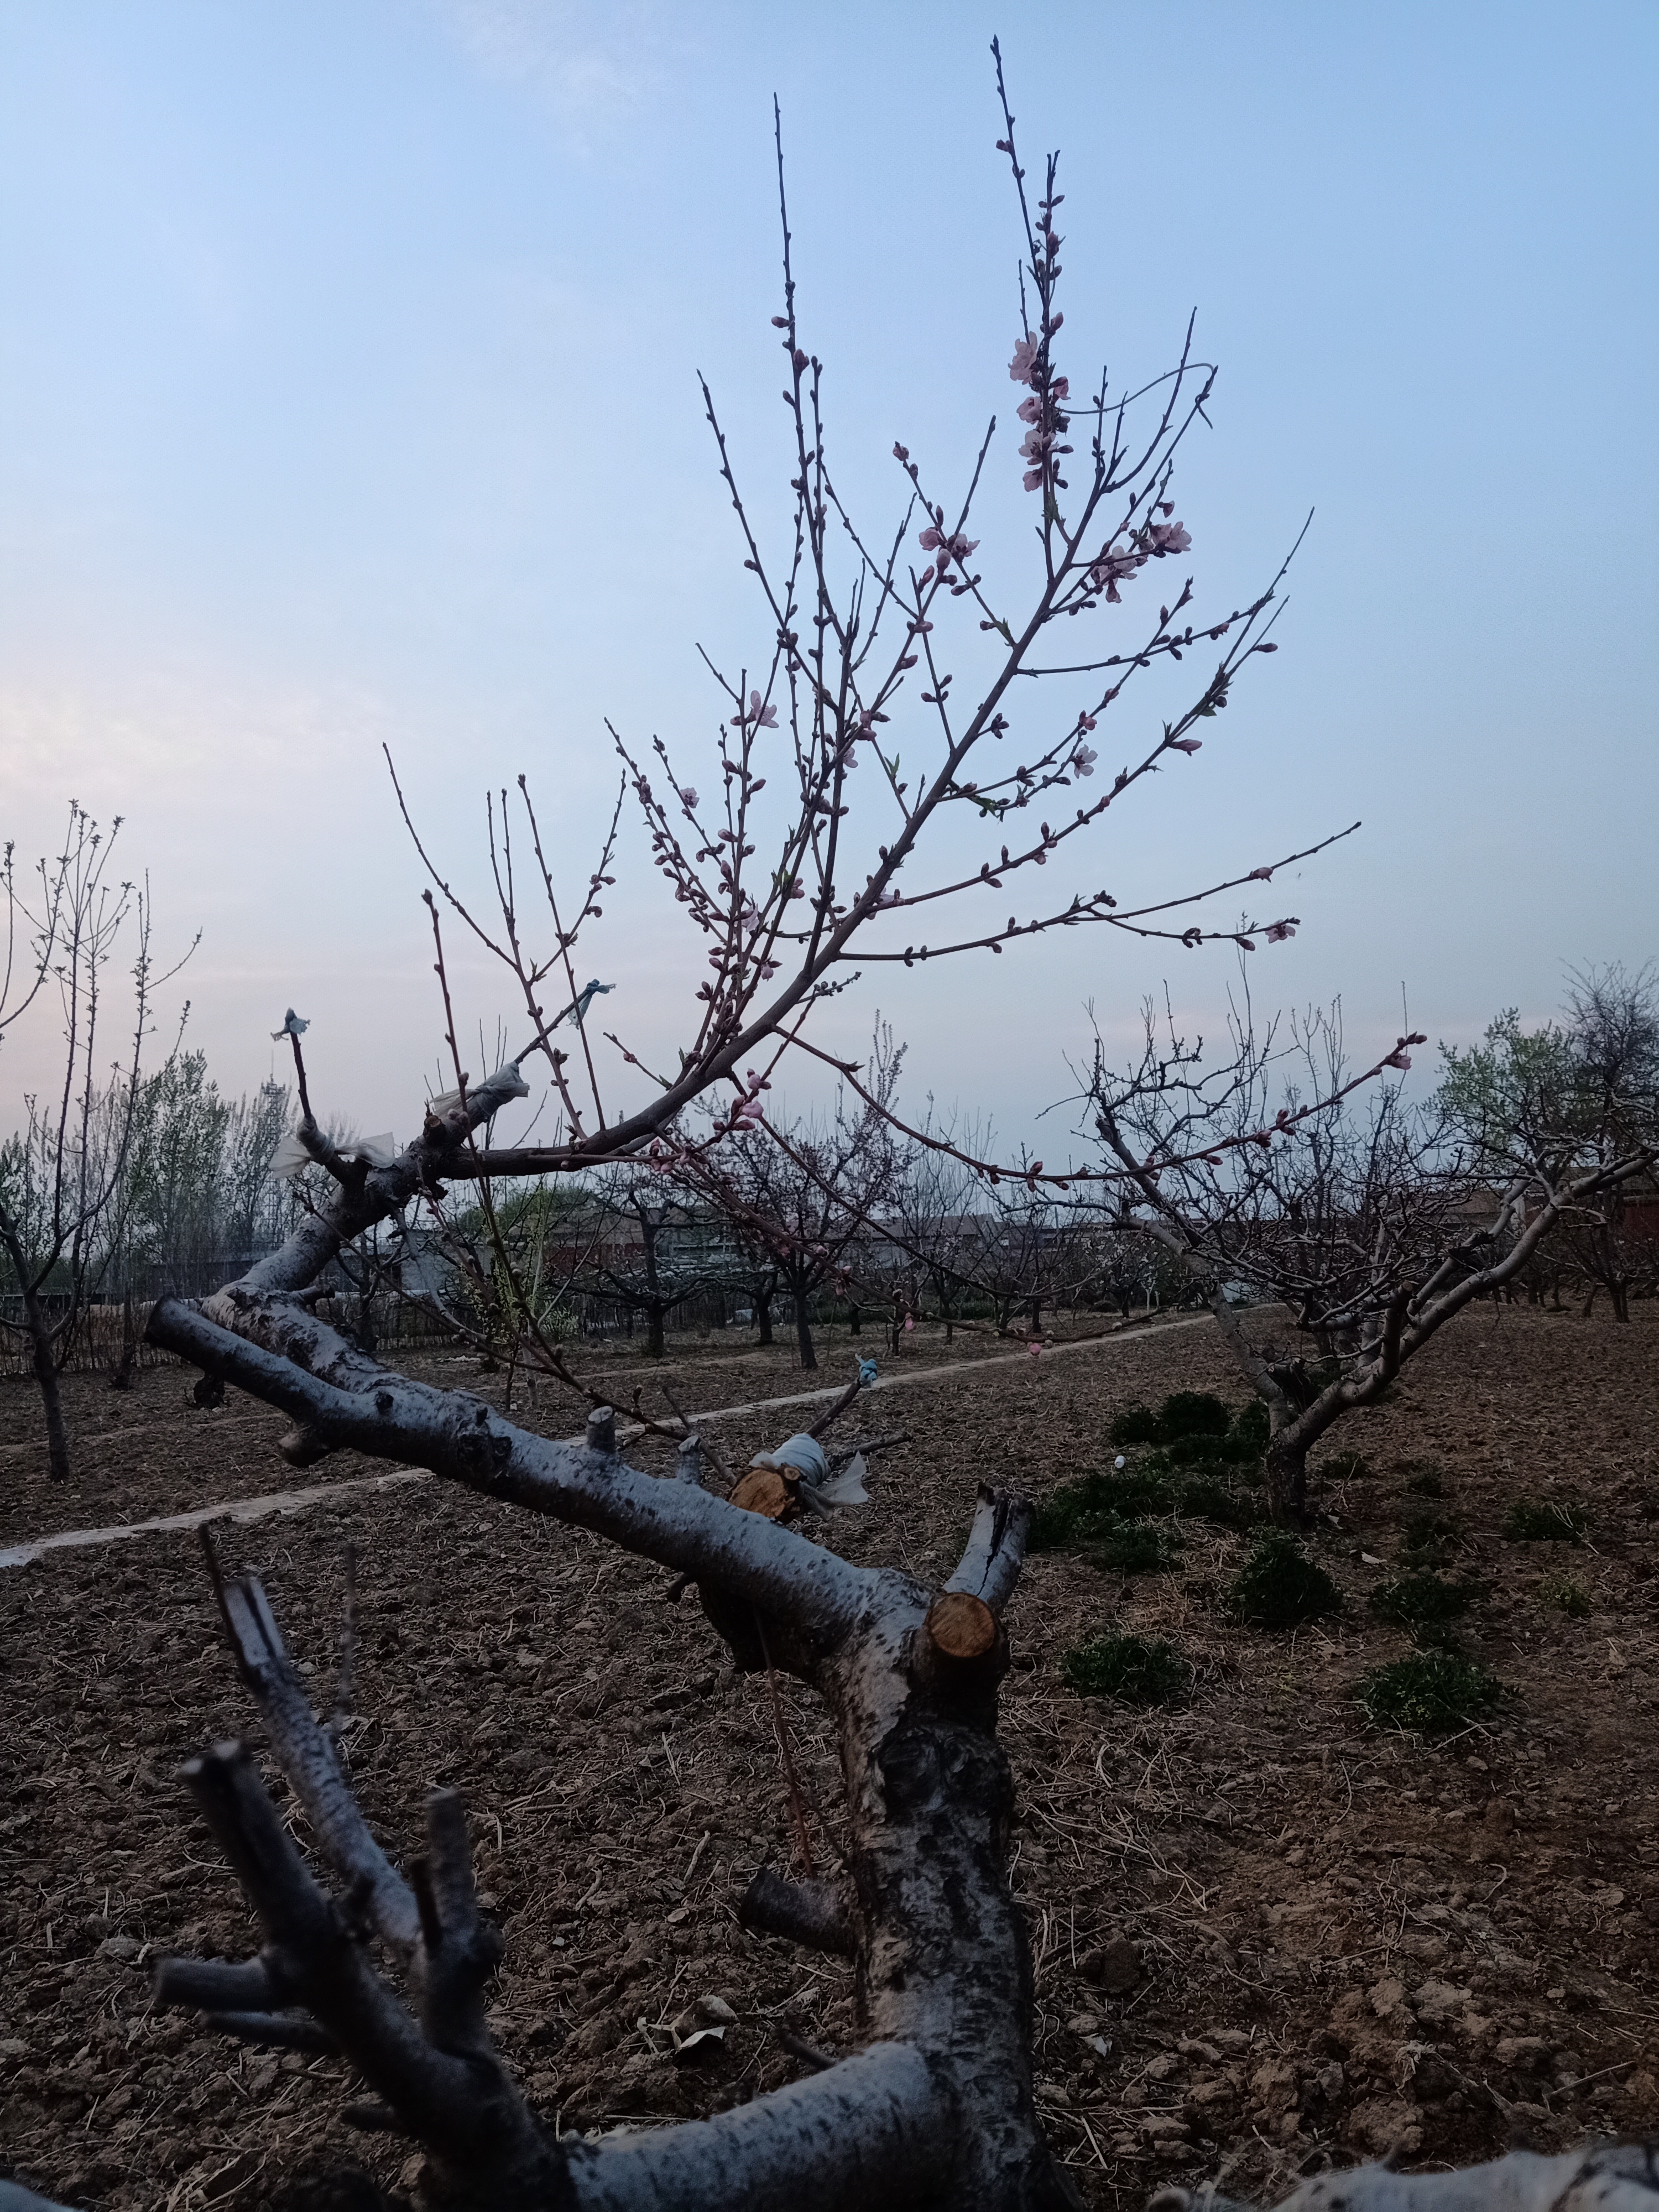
x=1268, y=1934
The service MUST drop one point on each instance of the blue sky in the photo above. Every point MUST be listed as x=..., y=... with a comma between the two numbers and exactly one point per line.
x=347, y=377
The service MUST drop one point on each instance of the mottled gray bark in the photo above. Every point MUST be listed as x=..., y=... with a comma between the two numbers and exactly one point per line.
x=938, y=2107
x=1600, y=2177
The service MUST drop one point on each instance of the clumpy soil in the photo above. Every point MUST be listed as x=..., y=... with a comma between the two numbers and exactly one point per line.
x=1268, y=1936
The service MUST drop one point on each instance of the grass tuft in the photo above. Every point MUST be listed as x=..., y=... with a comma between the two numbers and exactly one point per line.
x=1278, y=1585
x=1423, y=1477
x=1426, y=1538
x=1431, y=1692
x=1078, y=1512
x=1566, y=1596
x=1137, y=1426
x=1136, y=1547
x=1343, y=1467
x=1133, y=1669
x=1423, y=1603
x=1204, y=1498
x=1543, y=1521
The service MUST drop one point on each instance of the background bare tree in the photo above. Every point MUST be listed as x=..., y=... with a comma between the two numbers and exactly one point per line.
x=61, y=1177
x=647, y=1251
x=1585, y=1089
x=1369, y=1218
x=803, y=1190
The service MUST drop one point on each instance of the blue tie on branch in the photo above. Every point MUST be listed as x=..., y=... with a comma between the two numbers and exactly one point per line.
x=293, y=1025
x=579, y=1006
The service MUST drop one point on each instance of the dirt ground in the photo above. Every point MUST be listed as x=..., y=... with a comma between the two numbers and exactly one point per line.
x=1335, y=1940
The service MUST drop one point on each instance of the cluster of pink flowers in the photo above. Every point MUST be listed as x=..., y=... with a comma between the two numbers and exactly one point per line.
x=957, y=548
x=1119, y=561
x=1044, y=412
x=1277, y=932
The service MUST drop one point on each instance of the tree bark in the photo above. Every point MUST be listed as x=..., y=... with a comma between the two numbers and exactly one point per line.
x=939, y=2107
x=1286, y=1466
x=763, y=1316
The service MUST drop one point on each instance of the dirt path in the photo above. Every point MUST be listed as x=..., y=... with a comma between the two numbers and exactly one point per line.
x=296, y=1501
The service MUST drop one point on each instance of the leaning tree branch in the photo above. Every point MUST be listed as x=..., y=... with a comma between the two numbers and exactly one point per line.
x=761, y=1562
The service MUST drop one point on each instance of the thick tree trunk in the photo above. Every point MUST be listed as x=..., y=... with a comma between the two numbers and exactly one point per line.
x=763, y=1316
x=809, y=1357
x=654, y=1332
x=853, y=1320
x=1287, y=1475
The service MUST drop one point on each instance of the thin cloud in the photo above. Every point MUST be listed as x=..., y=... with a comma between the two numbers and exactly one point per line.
x=594, y=66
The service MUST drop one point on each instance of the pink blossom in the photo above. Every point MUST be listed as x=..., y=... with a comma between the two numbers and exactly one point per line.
x=689, y=797
x=1277, y=932
x=1117, y=562
x=1186, y=745
x=763, y=717
x=961, y=547
x=1083, y=759
x=1029, y=411
x=1032, y=479
x=1170, y=538
x=1022, y=367
x=888, y=898
x=1260, y=876
x=767, y=968
x=1085, y=721
x=1401, y=1059
x=930, y=539
x=750, y=918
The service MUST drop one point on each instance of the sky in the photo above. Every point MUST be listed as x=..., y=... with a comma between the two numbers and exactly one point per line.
x=348, y=401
